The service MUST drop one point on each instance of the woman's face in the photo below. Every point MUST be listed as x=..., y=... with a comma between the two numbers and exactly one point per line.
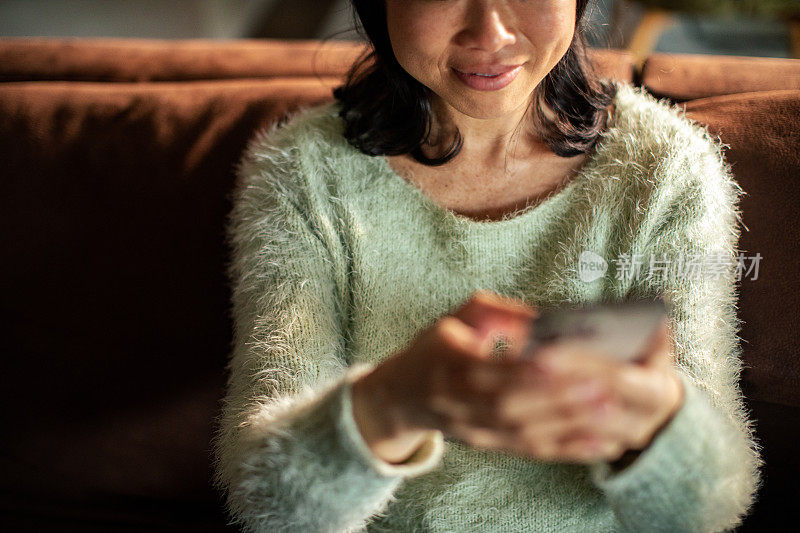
x=482, y=57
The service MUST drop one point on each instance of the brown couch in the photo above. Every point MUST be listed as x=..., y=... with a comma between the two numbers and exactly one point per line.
x=117, y=159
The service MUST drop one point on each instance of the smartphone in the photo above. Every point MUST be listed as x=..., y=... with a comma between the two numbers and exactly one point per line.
x=620, y=330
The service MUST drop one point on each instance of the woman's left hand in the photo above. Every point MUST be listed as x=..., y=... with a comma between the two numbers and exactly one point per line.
x=635, y=400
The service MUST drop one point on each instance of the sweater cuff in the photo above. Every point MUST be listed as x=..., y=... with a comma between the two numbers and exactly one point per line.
x=427, y=456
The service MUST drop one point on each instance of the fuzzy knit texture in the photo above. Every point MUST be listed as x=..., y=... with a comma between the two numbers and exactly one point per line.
x=338, y=263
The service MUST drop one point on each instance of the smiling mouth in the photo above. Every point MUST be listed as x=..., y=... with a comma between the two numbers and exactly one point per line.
x=495, y=79
x=487, y=69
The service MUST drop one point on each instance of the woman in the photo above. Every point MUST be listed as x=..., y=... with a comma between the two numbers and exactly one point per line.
x=383, y=244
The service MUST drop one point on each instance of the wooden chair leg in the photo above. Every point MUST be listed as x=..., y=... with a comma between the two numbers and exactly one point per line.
x=794, y=37
x=650, y=28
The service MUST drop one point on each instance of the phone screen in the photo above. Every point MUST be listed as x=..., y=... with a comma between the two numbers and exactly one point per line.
x=620, y=330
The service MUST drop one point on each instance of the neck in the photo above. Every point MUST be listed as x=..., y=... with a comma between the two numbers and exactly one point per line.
x=490, y=142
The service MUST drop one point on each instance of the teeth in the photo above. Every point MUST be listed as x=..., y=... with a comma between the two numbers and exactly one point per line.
x=486, y=75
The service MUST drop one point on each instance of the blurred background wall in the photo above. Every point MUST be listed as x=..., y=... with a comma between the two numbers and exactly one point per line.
x=614, y=23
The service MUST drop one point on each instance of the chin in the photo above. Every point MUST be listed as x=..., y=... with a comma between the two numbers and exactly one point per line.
x=479, y=104
x=485, y=107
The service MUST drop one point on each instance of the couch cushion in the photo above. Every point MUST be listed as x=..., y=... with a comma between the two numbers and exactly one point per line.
x=689, y=76
x=112, y=204
x=761, y=129
x=778, y=429
x=126, y=60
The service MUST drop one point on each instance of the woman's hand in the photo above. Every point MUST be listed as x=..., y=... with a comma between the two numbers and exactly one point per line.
x=395, y=405
x=446, y=380
x=632, y=402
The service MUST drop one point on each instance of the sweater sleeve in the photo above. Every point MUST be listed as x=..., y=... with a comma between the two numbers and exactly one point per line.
x=288, y=453
x=702, y=470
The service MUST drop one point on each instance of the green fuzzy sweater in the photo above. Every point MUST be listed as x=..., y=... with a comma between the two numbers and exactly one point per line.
x=338, y=263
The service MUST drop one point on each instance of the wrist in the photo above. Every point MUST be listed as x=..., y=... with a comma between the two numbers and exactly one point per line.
x=379, y=422
x=370, y=410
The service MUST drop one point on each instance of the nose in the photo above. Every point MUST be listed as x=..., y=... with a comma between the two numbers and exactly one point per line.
x=486, y=30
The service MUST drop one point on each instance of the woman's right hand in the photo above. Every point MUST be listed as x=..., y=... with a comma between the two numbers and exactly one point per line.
x=448, y=367
x=564, y=404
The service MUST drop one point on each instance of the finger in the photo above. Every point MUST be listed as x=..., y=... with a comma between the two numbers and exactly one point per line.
x=459, y=340
x=511, y=441
x=635, y=387
x=589, y=450
x=569, y=358
x=483, y=300
x=544, y=441
x=490, y=314
x=578, y=441
x=569, y=418
x=584, y=406
x=490, y=375
x=551, y=440
x=626, y=428
x=494, y=398
x=480, y=437
x=507, y=410
x=607, y=423
x=660, y=351
x=551, y=402
x=470, y=414
x=609, y=418
x=644, y=389
x=501, y=411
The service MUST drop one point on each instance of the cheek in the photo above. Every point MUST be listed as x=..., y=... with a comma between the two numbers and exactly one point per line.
x=419, y=39
x=552, y=27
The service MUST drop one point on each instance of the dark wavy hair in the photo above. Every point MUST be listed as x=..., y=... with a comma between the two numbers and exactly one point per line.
x=388, y=112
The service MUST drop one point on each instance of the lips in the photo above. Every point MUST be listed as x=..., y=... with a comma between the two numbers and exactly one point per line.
x=487, y=77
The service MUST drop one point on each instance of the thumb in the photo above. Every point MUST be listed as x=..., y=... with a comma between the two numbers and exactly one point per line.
x=492, y=315
x=660, y=351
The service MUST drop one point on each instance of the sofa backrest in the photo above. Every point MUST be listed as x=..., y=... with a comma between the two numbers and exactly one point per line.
x=753, y=105
x=118, y=159
x=682, y=77
x=136, y=60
